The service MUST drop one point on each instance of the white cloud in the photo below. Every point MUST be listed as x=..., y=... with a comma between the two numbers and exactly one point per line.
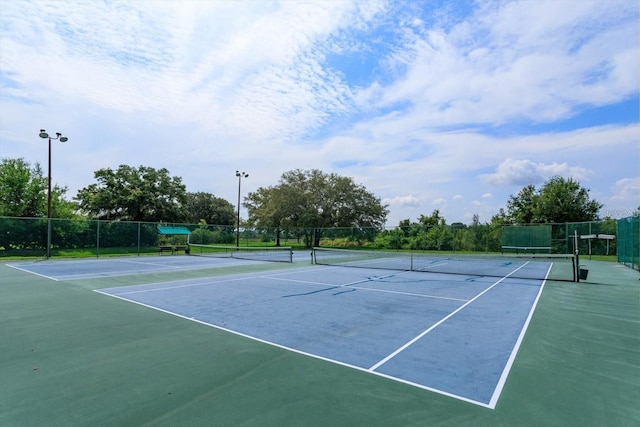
x=248, y=69
x=439, y=201
x=492, y=69
x=410, y=201
x=487, y=196
x=626, y=189
x=205, y=88
x=623, y=198
x=525, y=172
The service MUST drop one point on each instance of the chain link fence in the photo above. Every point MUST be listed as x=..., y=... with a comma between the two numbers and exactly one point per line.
x=27, y=237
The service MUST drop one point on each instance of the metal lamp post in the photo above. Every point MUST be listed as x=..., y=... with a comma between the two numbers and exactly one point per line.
x=45, y=135
x=240, y=175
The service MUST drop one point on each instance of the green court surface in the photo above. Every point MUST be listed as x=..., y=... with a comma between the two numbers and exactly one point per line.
x=70, y=356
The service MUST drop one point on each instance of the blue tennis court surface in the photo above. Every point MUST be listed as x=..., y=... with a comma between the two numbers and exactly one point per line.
x=455, y=335
x=123, y=266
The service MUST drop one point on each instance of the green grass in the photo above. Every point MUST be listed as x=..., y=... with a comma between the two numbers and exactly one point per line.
x=606, y=258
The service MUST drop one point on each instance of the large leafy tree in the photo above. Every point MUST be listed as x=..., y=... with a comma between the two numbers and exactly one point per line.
x=23, y=192
x=269, y=207
x=22, y=189
x=524, y=208
x=209, y=208
x=134, y=194
x=314, y=200
x=559, y=200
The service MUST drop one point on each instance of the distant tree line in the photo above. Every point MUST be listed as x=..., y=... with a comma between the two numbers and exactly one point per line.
x=312, y=201
x=125, y=194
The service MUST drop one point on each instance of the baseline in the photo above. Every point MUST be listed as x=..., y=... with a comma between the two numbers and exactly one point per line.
x=364, y=321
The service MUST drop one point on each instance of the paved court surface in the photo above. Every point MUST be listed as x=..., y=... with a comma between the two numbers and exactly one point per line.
x=71, y=356
x=448, y=334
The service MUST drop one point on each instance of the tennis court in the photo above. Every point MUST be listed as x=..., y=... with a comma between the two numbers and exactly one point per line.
x=191, y=340
x=453, y=336
x=126, y=266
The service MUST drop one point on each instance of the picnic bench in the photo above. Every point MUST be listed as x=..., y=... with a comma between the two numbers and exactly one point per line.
x=174, y=249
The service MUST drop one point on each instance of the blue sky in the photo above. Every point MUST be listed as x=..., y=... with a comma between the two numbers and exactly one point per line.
x=445, y=105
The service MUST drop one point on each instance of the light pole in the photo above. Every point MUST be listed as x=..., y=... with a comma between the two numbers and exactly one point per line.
x=240, y=175
x=45, y=135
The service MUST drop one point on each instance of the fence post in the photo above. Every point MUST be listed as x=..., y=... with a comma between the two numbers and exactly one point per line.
x=577, y=256
x=98, y=240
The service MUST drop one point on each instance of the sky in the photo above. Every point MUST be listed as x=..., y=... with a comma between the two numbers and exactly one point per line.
x=448, y=105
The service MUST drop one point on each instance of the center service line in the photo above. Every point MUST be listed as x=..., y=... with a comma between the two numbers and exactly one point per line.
x=408, y=344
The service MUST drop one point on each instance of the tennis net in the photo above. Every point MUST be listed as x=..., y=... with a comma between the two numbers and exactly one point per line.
x=254, y=253
x=525, y=266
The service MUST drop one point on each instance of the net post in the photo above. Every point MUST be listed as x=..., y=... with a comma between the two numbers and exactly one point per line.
x=576, y=272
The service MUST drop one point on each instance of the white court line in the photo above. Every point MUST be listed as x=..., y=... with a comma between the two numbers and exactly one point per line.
x=368, y=279
x=304, y=353
x=222, y=279
x=192, y=283
x=410, y=294
x=306, y=282
x=364, y=288
x=163, y=265
x=33, y=272
x=512, y=357
x=444, y=319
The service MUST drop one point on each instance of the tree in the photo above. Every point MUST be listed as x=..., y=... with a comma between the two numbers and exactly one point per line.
x=500, y=219
x=524, y=207
x=559, y=200
x=23, y=192
x=315, y=200
x=429, y=233
x=134, y=194
x=565, y=200
x=22, y=189
x=210, y=209
x=432, y=220
x=268, y=207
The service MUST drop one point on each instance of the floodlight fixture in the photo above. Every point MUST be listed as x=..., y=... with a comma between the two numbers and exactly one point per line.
x=44, y=135
x=240, y=175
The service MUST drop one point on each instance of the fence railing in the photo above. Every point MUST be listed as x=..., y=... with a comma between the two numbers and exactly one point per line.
x=85, y=237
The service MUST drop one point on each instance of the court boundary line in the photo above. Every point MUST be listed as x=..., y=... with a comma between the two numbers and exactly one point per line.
x=329, y=286
x=33, y=272
x=411, y=294
x=125, y=261
x=440, y=322
x=186, y=285
x=364, y=288
x=209, y=281
x=512, y=357
x=162, y=268
x=304, y=353
x=372, y=370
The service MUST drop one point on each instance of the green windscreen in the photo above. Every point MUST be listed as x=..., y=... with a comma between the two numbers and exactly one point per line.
x=530, y=238
x=629, y=241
